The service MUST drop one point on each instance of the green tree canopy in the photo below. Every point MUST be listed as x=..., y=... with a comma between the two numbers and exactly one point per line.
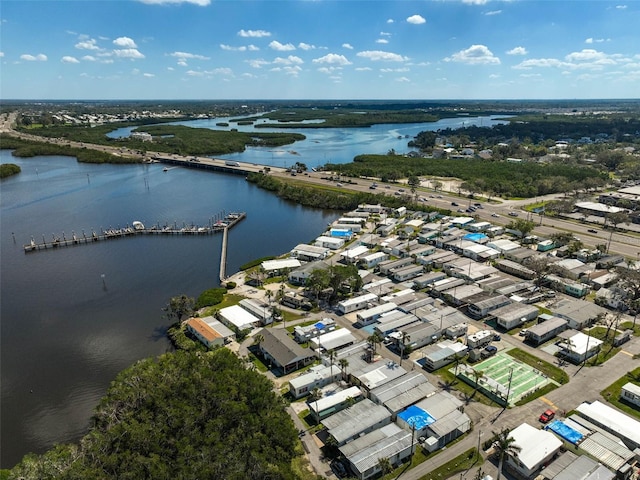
x=181, y=415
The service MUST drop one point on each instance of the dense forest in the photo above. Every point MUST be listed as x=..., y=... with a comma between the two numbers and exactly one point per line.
x=181, y=415
x=549, y=128
x=176, y=139
x=333, y=198
x=525, y=179
x=27, y=148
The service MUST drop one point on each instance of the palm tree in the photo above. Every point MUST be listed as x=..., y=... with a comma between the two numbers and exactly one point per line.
x=343, y=363
x=269, y=295
x=403, y=345
x=505, y=445
x=385, y=465
x=332, y=356
x=258, y=339
x=477, y=375
x=314, y=396
x=374, y=340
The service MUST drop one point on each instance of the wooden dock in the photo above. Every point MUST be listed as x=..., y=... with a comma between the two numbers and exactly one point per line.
x=228, y=221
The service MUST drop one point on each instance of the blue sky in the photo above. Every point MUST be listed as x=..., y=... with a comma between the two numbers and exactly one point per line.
x=305, y=49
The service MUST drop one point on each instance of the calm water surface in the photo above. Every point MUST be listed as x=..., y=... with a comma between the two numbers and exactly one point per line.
x=65, y=333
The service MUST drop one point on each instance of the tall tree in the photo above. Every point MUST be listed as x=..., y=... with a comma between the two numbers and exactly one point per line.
x=521, y=225
x=629, y=282
x=180, y=307
x=344, y=364
x=314, y=396
x=403, y=345
x=505, y=445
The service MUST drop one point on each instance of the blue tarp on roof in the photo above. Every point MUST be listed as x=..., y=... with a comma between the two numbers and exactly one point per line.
x=319, y=326
x=339, y=232
x=565, y=431
x=475, y=237
x=416, y=417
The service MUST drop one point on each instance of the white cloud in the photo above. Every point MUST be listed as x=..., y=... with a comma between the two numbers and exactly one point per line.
x=390, y=20
x=254, y=33
x=125, y=42
x=330, y=70
x=539, y=62
x=378, y=55
x=188, y=56
x=530, y=75
x=276, y=45
x=416, y=19
x=128, y=53
x=385, y=34
x=252, y=48
x=517, y=51
x=69, y=59
x=89, y=44
x=493, y=12
x=396, y=70
x=290, y=60
x=332, y=59
x=259, y=63
x=403, y=80
x=587, y=55
x=382, y=40
x=1, y=54
x=363, y=69
x=233, y=49
x=293, y=71
x=200, y=3
x=474, y=55
x=148, y=75
x=347, y=46
x=89, y=58
x=41, y=57
x=494, y=76
x=475, y=2
x=591, y=40
x=621, y=7
x=306, y=46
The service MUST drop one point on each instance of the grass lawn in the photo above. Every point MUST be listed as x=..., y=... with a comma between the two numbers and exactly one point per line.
x=551, y=371
x=606, y=351
x=450, y=382
x=629, y=326
x=612, y=393
x=228, y=300
x=537, y=394
x=462, y=463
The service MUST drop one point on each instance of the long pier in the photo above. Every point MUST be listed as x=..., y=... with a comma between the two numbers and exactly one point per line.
x=229, y=221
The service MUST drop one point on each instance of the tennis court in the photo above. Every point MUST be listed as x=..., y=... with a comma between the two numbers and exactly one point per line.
x=498, y=372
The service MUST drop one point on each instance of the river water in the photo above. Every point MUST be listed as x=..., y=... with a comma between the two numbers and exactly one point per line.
x=72, y=318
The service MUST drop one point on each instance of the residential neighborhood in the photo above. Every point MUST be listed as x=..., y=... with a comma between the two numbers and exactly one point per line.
x=443, y=316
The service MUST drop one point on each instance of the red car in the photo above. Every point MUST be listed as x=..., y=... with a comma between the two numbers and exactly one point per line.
x=547, y=416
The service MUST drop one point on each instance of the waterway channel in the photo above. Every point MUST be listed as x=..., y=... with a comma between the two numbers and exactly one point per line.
x=72, y=318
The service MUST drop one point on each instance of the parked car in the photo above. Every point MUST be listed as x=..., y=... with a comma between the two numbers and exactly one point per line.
x=591, y=230
x=495, y=215
x=523, y=332
x=338, y=468
x=547, y=416
x=491, y=350
x=513, y=214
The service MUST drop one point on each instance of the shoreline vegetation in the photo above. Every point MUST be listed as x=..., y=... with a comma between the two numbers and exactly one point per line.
x=8, y=169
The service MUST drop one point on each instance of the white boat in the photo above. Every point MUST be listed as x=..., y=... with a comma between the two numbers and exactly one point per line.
x=138, y=225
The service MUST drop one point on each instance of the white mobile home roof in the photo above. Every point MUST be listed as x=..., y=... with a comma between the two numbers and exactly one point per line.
x=355, y=419
x=377, y=310
x=536, y=444
x=335, y=399
x=330, y=240
x=625, y=427
x=333, y=340
x=238, y=316
x=367, y=297
x=375, y=374
x=270, y=265
x=503, y=245
x=386, y=442
x=355, y=252
x=314, y=374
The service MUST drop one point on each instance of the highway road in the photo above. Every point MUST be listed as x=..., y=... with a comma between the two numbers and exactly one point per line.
x=497, y=212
